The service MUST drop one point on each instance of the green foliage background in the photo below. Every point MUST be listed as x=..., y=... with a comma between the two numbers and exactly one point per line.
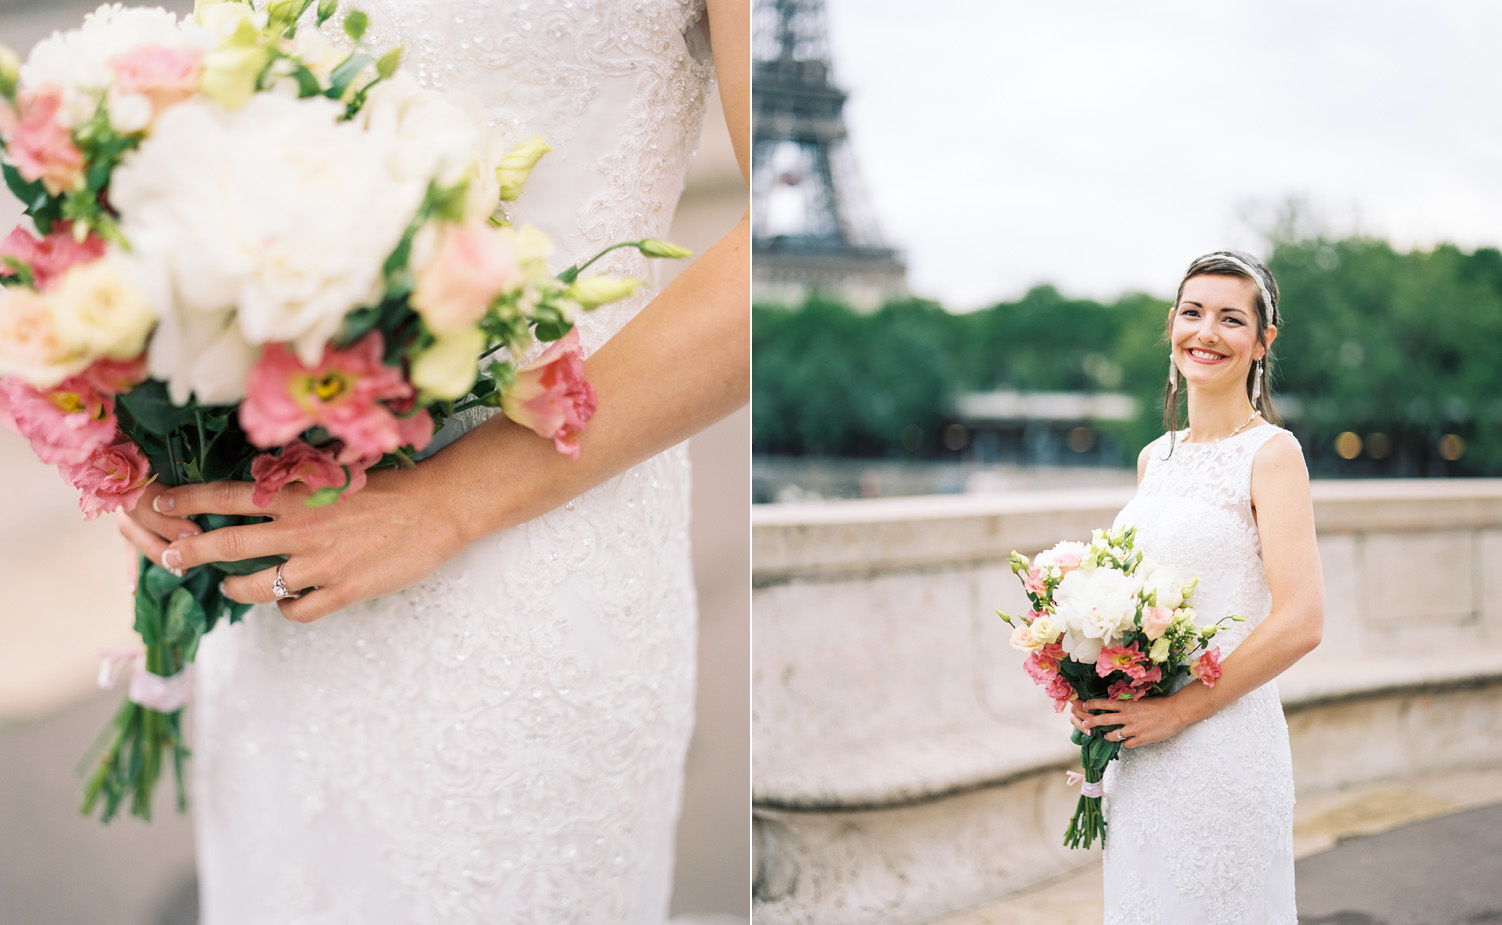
x=1408, y=344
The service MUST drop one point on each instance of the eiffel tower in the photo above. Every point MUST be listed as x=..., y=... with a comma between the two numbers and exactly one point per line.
x=810, y=226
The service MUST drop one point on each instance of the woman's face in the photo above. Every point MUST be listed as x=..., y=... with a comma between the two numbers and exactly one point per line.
x=1214, y=331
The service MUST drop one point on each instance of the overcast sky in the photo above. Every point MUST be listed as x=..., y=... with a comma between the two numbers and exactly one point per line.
x=1100, y=146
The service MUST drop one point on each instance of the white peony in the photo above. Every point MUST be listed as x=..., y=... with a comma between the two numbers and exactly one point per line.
x=1067, y=551
x=1164, y=582
x=78, y=60
x=271, y=223
x=442, y=135
x=1095, y=608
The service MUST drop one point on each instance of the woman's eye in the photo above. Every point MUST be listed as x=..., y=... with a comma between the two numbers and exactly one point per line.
x=1232, y=319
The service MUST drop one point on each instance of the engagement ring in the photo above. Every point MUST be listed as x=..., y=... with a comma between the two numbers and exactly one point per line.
x=279, y=589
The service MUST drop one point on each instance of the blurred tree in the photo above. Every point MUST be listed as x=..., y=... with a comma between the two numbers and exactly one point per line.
x=1400, y=349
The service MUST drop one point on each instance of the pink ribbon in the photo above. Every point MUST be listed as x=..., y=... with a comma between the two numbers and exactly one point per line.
x=152, y=691
x=1096, y=789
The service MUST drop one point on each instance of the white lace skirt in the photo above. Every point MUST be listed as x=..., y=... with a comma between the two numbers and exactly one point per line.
x=1200, y=826
x=503, y=742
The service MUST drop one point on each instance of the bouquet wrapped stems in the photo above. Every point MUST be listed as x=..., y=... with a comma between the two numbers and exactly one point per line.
x=146, y=735
x=1088, y=822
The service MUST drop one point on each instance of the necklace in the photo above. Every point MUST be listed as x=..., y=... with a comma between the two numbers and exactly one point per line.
x=1233, y=433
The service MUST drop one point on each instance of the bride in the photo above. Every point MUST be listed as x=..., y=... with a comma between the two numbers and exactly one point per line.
x=1200, y=805
x=479, y=711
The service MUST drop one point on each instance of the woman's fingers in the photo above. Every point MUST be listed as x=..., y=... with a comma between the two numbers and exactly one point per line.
x=168, y=528
x=144, y=540
x=227, y=544
x=260, y=587
x=210, y=498
x=312, y=605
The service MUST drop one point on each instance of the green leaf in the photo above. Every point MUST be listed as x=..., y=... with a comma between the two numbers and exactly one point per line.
x=345, y=73
x=185, y=618
x=149, y=405
x=148, y=617
x=248, y=566
x=326, y=9
x=355, y=24
x=307, y=81
x=389, y=62
x=549, y=331
x=27, y=191
x=158, y=582
x=323, y=497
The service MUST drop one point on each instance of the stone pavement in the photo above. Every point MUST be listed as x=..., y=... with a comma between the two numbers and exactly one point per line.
x=1417, y=852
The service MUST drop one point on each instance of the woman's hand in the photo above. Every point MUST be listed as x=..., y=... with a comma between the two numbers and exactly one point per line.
x=385, y=537
x=150, y=532
x=1142, y=722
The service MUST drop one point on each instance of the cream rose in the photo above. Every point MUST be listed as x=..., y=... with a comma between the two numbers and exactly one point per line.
x=99, y=310
x=30, y=348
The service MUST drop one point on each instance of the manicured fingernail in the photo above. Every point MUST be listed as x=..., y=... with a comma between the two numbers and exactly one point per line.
x=172, y=560
x=163, y=504
x=187, y=533
x=221, y=589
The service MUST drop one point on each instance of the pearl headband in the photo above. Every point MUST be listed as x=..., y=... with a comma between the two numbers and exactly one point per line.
x=1267, y=298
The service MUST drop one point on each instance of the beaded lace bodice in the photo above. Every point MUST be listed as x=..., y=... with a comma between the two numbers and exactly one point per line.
x=504, y=741
x=1200, y=825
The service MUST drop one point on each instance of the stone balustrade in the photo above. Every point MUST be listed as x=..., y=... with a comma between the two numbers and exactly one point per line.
x=905, y=767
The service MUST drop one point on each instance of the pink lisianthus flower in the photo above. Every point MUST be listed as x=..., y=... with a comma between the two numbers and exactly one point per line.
x=41, y=147
x=66, y=424
x=112, y=478
x=111, y=377
x=1041, y=670
x=1155, y=621
x=1128, y=659
x=1043, y=665
x=1207, y=667
x=314, y=467
x=1121, y=690
x=1146, y=676
x=347, y=394
x=472, y=265
x=165, y=76
x=1062, y=693
x=1036, y=576
x=552, y=397
x=51, y=256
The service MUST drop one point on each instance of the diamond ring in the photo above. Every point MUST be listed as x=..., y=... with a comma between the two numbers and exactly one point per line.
x=279, y=589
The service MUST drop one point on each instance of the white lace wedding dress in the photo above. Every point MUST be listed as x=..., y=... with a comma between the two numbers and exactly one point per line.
x=1200, y=825
x=505, y=741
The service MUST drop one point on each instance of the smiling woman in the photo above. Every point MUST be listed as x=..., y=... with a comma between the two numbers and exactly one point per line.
x=1224, y=322
x=1200, y=806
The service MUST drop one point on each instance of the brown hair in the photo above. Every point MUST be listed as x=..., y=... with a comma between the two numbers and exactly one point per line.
x=1229, y=263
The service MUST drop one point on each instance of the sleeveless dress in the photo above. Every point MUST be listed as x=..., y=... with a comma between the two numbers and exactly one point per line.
x=1201, y=824
x=503, y=742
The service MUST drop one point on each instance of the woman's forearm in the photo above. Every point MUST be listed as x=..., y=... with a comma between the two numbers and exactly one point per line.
x=1271, y=649
x=681, y=364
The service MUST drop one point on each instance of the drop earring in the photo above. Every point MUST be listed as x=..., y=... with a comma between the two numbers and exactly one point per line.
x=1173, y=374
x=1257, y=383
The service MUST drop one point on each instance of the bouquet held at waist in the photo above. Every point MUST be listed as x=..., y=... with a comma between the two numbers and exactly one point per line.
x=259, y=251
x=1107, y=622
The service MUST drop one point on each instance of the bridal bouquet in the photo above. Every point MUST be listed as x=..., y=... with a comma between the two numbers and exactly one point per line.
x=259, y=254
x=1107, y=622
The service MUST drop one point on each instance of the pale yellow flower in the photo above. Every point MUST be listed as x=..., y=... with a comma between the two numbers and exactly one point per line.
x=592, y=291
x=98, y=310
x=517, y=165
x=447, y=369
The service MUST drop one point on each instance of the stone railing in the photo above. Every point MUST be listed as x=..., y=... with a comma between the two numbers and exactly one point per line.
x=905, y=767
